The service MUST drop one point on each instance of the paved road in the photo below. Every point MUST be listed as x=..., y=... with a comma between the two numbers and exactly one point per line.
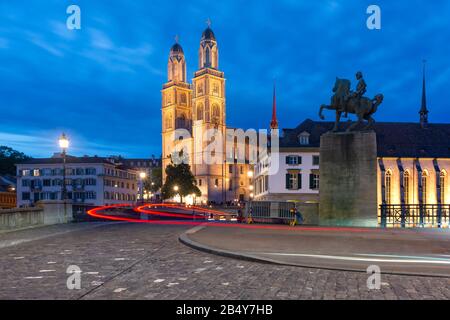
x=141, y=261
x=401, y=251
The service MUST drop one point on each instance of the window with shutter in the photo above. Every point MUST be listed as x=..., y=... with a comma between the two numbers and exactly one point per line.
x=299, y=181
x=288, y=180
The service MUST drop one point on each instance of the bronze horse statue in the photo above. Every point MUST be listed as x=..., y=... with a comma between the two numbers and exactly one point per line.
x=344, y=100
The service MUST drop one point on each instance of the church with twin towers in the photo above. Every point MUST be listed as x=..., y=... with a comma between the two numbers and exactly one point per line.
x=196, y=107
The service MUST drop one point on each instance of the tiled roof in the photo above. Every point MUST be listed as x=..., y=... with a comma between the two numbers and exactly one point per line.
x=394, y=139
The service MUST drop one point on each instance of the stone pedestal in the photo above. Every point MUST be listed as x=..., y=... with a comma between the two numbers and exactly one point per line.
x=348, y=179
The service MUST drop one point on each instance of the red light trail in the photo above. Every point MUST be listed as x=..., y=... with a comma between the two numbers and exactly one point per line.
x=202, y=219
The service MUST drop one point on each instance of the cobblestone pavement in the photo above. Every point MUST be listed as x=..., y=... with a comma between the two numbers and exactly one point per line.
x=139, y=261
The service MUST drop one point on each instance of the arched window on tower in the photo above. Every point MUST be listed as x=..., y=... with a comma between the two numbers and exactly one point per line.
x=406, y=184
x=215, y=90
x=183, y=98
x=168, y=121
x=199, y=111
x=388, y=186
x=181, y=121
x=207, y=119
x=424, y=186
x=216, y=113
x=207, y=58
x=442, y=181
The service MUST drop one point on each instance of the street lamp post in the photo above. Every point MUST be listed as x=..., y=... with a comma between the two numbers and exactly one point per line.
x=64, y=145
x=142, y=176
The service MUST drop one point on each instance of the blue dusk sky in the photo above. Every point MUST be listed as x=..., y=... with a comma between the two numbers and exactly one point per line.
x=101, y=84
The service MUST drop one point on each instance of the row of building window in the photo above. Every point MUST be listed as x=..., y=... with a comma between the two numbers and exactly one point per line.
x=119, y=196
x=215, y=90
x=57, y=172
x=294, y=181
x=406, y=186
x=77, y=196
x=230, y=169
x=199, y=183
x=144, y=164
x=118, y=184
x=120, y=173
x=34, y=183
x=295, y=160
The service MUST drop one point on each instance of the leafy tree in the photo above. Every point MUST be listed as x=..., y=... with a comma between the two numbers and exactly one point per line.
x=154, y=182
x=179, y=175
x=8, y=158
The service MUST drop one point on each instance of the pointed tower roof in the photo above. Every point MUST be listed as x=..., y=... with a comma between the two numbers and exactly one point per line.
x=176, y=48
x=423, y=108
x=208, y=34
x=274, y=121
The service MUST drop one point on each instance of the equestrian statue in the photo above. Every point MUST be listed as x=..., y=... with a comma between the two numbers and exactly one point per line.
x=346, y=101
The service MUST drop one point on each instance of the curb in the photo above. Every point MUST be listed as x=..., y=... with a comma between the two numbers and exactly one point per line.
x=184, y=239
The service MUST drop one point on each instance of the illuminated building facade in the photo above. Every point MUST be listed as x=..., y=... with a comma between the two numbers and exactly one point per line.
x=90, y=181
x=196, y=108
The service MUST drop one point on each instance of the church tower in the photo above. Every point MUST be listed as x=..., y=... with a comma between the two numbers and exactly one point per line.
x=209, y=113
x=176, y=102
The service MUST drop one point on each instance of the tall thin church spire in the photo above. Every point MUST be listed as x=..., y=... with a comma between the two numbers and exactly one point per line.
x=274, y=121
x=423, y=109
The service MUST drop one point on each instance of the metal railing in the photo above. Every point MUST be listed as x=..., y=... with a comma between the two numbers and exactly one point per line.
x=414, y=215
x=268, y=211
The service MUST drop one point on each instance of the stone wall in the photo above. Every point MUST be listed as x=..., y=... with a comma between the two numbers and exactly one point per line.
x=45, y=213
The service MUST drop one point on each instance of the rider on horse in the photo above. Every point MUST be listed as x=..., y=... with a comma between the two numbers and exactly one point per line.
x=360, y=91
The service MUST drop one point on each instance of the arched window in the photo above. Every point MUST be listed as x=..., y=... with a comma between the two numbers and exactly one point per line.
x=199, y=89
x=168, y=121
x=442, y=180
x=181, y=121
x=406, y=186
x=216, y=113
x=199, y=111
x=387, y=186
x=183, y=98
x=215, y=89
x=424, y=186
x=207, y=113
x=207, y=58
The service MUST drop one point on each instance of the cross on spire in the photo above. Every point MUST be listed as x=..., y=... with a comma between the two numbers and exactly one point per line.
x=177, y=38
x=208, y=22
